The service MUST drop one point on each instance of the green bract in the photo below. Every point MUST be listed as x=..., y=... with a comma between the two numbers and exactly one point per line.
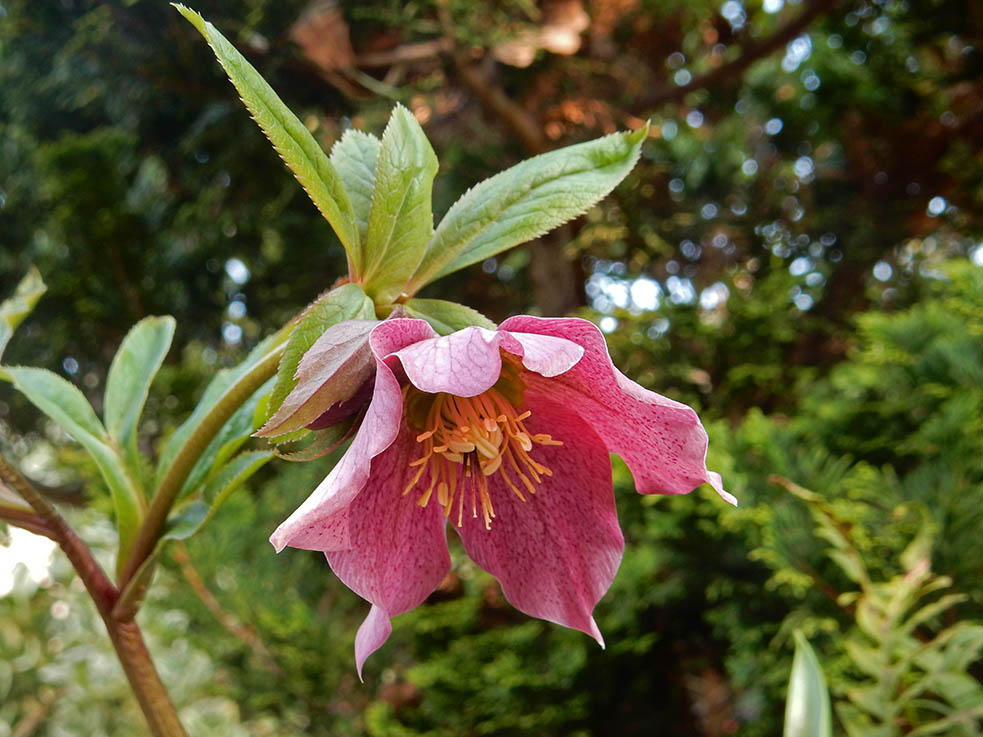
x=377, y=194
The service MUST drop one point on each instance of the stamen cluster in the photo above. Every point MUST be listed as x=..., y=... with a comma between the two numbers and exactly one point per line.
x=465, y=441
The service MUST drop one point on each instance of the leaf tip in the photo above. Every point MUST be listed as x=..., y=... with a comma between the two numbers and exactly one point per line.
x=192, y=16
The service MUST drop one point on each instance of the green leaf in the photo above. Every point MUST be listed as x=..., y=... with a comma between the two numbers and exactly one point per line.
x=347, y=302
x=401, y=218
x=295, y=144
x=526, y=201
x=19, y=305
x=807, y=709
x=213, y=392
x=354, y=157
x=133, y=369
x=65, y=404
x=226, y=442
x=192, y=516
x=446, y=317
x=320, y=444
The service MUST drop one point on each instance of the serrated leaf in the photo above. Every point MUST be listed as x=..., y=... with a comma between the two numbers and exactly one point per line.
x=133, y=369
x=401, y=218
x=807, y=709
x=347, y=302
x=446, y=317
x=322, y=442
x=331, y=371
x=222, y=380
x=355, y=157
x=526, y=201
x=65, y=404
x=291, y=139
x=17, y=306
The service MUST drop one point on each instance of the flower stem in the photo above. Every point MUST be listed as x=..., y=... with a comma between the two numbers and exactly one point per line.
x=150, y=692
x=170, y=486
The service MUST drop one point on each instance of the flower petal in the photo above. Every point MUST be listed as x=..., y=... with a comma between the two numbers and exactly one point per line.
x=371, y=635
x=555, y=554
x=464, y=363
x=321, y=522
x=398, y=552
x=544, y=354
x=661, y=440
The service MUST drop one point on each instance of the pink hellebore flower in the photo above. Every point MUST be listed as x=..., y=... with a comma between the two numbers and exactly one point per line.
x=506, y=434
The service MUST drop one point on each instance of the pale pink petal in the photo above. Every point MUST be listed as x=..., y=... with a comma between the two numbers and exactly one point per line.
x=373, y=633
x=544, y=354
x=320, y=523
x=661, y=440
x=464, y=363
x=555, y=554
x=398, y=553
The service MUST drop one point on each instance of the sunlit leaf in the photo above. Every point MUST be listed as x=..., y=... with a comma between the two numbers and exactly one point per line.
x=526, y=201
x=17, y=306
x=807, y=709
x=289, y=137
x=65, y=404
x=401, y=218
x=133, y=369
x=354, y=156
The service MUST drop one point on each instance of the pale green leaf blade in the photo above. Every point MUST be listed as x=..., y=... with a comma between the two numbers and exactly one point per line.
x=347, y=302
x=295, y=144
x=526, y=201
x=17, y=306
x=355, y=156
x=446, y=317
x=65, y=404
x=133, y=369
x=401, y=218
x=807, y=708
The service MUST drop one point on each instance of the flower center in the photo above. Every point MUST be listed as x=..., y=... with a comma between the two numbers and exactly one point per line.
x=468, y=439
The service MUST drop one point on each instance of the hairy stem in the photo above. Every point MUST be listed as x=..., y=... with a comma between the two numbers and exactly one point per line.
x=150, y=692
x=170, y=487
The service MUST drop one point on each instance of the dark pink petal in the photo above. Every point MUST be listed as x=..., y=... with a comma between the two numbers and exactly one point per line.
x=321, y=522
x=661, y=440
x=398, y=553
x=555, y=554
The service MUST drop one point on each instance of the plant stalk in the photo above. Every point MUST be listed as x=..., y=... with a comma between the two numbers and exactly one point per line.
x=170, y=486
x=156, y=704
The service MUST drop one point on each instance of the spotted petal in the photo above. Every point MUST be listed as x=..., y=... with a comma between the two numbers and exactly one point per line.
x=398, y=552
x=555, y=554
x=661, y=440
x=321, y=522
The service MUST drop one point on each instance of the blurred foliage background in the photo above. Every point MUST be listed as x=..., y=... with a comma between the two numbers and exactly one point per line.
x=799, y=255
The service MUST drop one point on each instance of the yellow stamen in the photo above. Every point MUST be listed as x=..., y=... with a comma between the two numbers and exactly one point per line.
x=467, y=440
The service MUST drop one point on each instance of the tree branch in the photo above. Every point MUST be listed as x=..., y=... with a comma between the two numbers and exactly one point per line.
x=751, y=53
